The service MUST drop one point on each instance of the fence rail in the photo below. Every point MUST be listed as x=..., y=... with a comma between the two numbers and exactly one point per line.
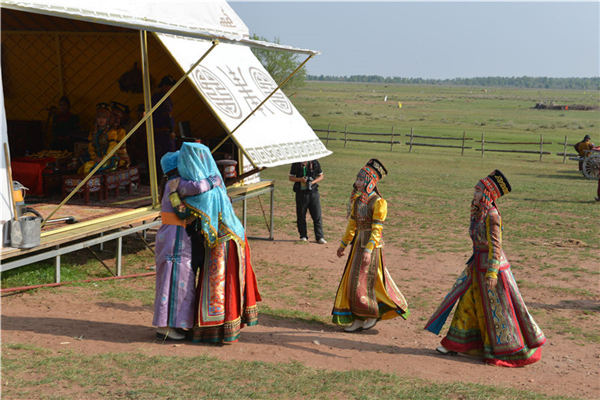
x=395, y=136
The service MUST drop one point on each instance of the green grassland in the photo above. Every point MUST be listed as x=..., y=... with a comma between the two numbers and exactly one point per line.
x=429, y=189
x=138, y=376
x=502, y=114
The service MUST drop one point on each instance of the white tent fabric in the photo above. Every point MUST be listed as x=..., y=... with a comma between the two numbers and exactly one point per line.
x=277, y=134
x=194, y=18
x=188, y=15
x=233, y=82
x=6, y=212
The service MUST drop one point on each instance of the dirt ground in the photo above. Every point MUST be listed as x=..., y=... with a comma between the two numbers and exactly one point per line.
x=81, y=320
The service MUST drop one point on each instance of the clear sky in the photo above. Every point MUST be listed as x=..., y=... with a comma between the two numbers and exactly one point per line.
x=435, y=39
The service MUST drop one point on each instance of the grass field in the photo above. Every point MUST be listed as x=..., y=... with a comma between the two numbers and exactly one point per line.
x=502, y=114
x=551, y=232
x=179, y=378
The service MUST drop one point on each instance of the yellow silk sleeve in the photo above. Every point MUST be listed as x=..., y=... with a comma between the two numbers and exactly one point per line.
x=91, y=149
x=379, y=215
x=112, y=140
x=350, y=232
x=121, y=134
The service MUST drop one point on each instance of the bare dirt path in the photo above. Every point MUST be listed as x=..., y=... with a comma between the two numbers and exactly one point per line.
x=79, y=319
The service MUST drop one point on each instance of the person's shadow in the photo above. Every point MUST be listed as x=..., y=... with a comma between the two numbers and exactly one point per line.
x=305, y=340
x=295, y=335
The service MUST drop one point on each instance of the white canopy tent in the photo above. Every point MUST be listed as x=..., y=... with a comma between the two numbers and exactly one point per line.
x=5, y=202
x=212, y=19
x=231, y=81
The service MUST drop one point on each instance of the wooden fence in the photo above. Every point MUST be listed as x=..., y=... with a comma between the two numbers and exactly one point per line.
x=541, y=143
x=396, y=138
x=346, y=139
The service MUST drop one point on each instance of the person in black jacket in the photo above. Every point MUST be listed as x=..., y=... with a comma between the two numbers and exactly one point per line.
x=306, y=175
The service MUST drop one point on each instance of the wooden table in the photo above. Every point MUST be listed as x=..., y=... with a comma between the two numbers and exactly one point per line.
x=245, y=192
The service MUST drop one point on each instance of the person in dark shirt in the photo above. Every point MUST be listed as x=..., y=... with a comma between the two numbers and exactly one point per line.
x=65, y=126
x=306, y=175
x=163, y=122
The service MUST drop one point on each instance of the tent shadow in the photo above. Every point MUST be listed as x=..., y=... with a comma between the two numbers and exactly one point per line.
x=123, y=306
x=306, y=341
x=84, y=329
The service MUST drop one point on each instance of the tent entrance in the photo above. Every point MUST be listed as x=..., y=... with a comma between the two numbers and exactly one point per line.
x=89, y=64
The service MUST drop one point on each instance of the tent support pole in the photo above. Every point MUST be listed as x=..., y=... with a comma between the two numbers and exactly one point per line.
x=230, y=134
x=149, y=123
x=131, y=132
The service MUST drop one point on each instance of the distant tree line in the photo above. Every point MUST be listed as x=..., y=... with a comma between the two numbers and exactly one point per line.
x=280, y=64
x=516, y=81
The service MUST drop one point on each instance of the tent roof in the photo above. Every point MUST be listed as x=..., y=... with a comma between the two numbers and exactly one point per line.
x=232, y=83
x=209, y=19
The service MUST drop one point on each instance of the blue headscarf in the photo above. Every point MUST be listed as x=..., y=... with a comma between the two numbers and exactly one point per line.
x=218, y=220
x=168, y=162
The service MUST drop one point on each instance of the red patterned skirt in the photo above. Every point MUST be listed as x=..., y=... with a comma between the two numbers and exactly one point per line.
x=226, y=294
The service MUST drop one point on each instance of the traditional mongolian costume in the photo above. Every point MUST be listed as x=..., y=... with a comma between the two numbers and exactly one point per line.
x=366, y=293
x=100, y=142
x=175, y=275
x=226, y=291
x=118, y=112
x=488, y=321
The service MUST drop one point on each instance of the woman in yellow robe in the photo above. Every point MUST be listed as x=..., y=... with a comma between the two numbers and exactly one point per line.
x=366, y=292
x=491, y=319
x=101, y=141
x=118, y=112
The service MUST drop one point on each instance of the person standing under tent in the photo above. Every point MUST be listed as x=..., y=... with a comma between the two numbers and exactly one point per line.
x=491, y=319
x=65, y=126
x=306, y=176
x=226, y=291
x=162, y=120
x=174, y=301
x=366, y=292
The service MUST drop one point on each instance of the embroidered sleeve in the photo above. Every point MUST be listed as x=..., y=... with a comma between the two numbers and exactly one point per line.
x=190, y=188
x=493, y=224
x=350, y=232
x=379, y=215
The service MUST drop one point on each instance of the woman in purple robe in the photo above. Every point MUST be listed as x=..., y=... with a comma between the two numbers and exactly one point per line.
x=174, y=301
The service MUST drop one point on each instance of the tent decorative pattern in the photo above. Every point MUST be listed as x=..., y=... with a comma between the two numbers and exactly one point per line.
x=233, y=79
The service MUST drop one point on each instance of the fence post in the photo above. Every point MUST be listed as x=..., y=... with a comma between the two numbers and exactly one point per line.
x=345, y=134
x=462, y=149
x=565, y=150
x=541, y=146
x=392, y=140
x=482, y=144
x=411, y=140
x=327, y=140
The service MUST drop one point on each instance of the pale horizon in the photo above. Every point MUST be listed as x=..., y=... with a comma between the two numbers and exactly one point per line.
x=435, y=40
